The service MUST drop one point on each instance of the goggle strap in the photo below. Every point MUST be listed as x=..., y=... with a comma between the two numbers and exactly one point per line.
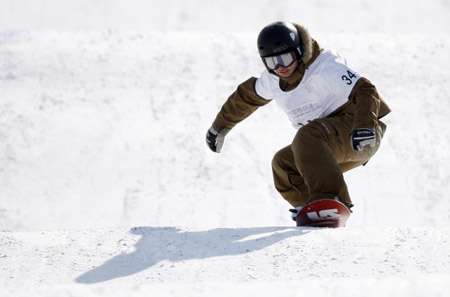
x=299, y=51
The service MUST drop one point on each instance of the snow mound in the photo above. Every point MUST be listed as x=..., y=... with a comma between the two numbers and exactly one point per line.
x=408, y=261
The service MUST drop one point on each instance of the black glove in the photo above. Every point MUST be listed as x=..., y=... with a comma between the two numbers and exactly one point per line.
x=362, y=137
x=214, y=139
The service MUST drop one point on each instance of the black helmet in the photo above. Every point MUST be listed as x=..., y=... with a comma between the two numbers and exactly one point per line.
x=279, y=38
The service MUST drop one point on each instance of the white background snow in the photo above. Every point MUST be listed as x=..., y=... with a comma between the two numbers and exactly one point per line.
x=107, y=186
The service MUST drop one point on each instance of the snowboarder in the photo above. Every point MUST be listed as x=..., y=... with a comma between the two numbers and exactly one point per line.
x=336, y=111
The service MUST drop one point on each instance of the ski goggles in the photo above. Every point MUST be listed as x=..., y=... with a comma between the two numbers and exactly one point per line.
x=284, y=60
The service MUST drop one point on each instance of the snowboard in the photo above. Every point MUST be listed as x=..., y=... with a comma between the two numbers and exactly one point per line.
x=323, y=213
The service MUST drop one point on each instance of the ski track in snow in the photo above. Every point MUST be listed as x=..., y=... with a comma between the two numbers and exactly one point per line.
x=103, y=128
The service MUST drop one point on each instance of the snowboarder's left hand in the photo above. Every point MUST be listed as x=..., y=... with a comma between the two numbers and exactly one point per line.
x=361, y=138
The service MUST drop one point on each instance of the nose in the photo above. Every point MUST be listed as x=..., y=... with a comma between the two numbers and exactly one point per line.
x=282, y=69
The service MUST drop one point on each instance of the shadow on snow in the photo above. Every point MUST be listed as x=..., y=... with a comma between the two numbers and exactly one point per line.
x=168, y=243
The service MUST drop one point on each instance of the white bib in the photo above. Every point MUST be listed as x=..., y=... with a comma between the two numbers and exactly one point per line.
x=325, y=86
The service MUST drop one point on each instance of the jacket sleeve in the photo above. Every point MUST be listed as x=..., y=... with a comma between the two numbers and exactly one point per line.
x=242, y=103
x=369, y=106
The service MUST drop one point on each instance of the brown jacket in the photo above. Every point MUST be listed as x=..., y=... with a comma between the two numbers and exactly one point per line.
x=364, y=101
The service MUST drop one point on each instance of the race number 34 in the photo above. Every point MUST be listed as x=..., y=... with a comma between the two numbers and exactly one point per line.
x=348, y=78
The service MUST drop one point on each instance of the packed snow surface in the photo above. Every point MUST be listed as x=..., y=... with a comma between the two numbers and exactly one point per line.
x=107, y=187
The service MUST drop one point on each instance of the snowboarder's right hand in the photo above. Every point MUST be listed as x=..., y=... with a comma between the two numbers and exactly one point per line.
x=215, y=139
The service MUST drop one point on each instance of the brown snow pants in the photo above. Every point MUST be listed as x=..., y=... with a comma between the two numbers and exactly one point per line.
x=312, y=166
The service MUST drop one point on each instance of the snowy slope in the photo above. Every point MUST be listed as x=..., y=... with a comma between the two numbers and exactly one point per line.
x=108, y=128
x=401, y=261
x=226, y=16
x=103, y=130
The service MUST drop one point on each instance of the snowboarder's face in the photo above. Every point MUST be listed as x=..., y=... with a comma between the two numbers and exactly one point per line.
x=286, y=71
